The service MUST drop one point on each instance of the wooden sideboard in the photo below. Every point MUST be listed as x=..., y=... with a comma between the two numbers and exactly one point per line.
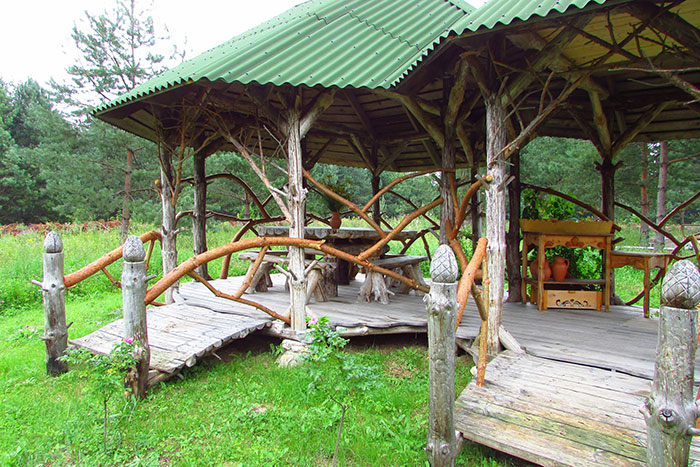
x=568, y=293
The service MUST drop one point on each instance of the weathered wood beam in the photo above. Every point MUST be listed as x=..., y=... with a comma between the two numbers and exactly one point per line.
x=642, y=122
x=318, y=105
x=350, y=96
x=559, y=63
x=390, y=156
x=552, y=49
x=312, y=160
x=423, y=117
x=362, y=151
x=666, y=22
x=432, y=153
x=601, y=123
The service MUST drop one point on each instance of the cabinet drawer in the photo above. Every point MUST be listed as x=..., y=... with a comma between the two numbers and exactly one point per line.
x=579, y=299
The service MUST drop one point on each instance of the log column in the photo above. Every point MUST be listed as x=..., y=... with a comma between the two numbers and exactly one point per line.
x=496, y=139
x=442, y=323
x=199, y=215
x=169, y=225
x=54, y=295
x=376, y=212
x=513, y=241
x=134, y=284
x=297, y=209
x=671, y=412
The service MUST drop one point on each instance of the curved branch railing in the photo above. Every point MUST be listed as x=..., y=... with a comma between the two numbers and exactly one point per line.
x=100, y=264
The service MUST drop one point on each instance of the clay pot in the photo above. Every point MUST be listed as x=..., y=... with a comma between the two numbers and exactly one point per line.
x=335, y=220
x=547, y=270
x=560, y=266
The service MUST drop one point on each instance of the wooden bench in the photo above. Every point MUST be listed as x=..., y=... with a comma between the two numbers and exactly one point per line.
x=379, y=286
x=320, y=279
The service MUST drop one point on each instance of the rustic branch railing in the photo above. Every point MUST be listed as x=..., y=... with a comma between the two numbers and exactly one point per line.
x=189, y=265
x=98, y=265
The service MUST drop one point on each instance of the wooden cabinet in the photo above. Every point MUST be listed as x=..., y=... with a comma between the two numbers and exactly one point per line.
x=568, y=293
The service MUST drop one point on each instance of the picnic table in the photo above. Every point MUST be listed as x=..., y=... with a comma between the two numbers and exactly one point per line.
x=351, y=240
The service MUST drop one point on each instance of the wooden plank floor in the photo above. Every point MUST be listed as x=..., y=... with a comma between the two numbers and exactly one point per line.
x=179, y=334
x=557, y=413
x=621, y=339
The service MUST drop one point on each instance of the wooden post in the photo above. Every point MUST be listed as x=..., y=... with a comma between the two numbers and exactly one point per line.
x=297, y=209
x=513, y=237
x=442, y=321
x=496, y=138
x=169, y=226
x=670, y=412
x=134, y=285
x=477, y=227
x=199, y=215
x=54, y=297
x=376, y=212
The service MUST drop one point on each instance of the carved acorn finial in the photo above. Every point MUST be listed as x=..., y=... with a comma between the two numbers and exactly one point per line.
x=53, y=243
x=681, y=288
x=443, y=268
x=133, y=250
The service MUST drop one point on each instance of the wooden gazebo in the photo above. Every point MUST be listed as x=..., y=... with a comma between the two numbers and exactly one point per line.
x=433, y=84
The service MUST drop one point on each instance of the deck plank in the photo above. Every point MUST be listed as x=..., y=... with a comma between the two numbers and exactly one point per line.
x=556, y=413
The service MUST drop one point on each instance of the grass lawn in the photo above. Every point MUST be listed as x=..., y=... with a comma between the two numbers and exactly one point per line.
x=242, y=410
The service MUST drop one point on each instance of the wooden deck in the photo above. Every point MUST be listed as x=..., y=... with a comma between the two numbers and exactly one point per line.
x=573, y=399
x=557, y=413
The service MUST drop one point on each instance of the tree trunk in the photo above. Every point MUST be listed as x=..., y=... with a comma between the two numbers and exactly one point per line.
x=513, y=240
x=644, y=202
x=169, y=226
x=607, y=174
x=297, y=205
x=246, y=206
x=199, y=215
x=496, y=139
x=126, y=197
x=659, y=239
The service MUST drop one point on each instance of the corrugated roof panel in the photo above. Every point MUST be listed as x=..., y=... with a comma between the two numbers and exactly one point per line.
x=505, y=11
x=356, y=43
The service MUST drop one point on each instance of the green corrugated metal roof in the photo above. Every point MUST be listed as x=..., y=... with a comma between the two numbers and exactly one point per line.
x=356, y=43
x=505, y=11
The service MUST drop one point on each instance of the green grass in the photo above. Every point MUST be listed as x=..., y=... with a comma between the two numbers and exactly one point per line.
x=214, y=416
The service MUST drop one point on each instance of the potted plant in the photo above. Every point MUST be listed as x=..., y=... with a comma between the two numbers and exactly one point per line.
x=334, y=206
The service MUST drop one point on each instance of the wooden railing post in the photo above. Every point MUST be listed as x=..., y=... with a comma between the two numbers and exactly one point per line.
x=441, y=303
x=134, y=284
x=670, y=412
x=54, y=297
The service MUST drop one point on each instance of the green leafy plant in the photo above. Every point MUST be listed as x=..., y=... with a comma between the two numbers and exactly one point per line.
x=105, y=373
x=339, y=375
x=341, y=188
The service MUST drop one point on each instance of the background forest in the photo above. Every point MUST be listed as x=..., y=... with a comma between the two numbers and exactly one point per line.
x=58, y=164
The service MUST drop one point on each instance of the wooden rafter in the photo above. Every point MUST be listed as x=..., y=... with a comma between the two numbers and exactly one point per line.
x=666, y=22
x=642, y=122
x=552, y=49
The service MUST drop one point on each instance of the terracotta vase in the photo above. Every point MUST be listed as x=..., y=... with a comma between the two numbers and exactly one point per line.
x=547, y=270
x=560, y=266
x=335, y=220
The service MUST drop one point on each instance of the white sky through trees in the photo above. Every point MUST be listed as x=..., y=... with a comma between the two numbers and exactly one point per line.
x=35, y=34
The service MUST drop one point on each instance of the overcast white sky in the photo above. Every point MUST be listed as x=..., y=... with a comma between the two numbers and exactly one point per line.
x=36, y=42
